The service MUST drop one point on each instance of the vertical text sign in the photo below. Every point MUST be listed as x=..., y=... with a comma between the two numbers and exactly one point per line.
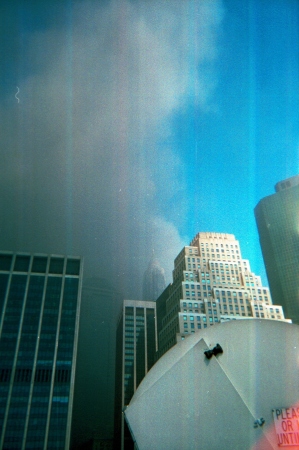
x=286, y=422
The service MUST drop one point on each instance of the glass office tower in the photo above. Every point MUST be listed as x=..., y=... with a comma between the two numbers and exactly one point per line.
x=277, y=218
x=39, y=318
x=136, y=347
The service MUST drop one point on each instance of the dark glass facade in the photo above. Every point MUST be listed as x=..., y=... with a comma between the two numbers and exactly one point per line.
x=93, y=410
x=39, y=304
x=277, y=218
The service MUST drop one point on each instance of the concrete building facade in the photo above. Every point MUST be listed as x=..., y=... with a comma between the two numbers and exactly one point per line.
x=277, y=221
x=212, y=283
x=39, y=318
x=135, y=355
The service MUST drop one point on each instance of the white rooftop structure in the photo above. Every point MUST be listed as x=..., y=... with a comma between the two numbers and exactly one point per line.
x=244, y=398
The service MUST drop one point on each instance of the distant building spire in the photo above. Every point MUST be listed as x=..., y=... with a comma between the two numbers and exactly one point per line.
x=153, y=279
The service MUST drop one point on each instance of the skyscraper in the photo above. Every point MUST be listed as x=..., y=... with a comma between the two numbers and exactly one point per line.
x=153, y=280
x=93, y=411
x=211, y=284
x=277, y=218
x=39, y=318
x=135, y=355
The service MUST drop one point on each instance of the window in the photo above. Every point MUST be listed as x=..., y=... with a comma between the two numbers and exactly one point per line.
x=22, y=263
x=73, y=267
x=56, y=265
x=5, y=262
x=39, y=264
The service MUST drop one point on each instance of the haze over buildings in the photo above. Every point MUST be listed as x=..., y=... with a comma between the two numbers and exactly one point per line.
x=153, y=280
x=138, y=125
x=140, y=122
x=277, y=218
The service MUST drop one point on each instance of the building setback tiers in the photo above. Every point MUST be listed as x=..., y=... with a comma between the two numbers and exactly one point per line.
x=212, y=283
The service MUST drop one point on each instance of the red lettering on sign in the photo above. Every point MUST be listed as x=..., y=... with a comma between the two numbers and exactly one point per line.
x=284, y=425
x=288, y=438
x=290, y=425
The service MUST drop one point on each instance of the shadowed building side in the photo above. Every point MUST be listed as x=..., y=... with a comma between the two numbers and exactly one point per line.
x=93, y=415
x=277, y=218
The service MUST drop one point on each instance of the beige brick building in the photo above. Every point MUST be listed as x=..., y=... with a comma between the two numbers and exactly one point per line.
x=211, y=284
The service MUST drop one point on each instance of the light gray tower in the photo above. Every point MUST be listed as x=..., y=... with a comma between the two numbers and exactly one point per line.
x=136, y=347
x=153, y=280
x=277, y=220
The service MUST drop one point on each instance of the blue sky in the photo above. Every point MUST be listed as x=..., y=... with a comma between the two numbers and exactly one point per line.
x=142, y=123
x=236, y=152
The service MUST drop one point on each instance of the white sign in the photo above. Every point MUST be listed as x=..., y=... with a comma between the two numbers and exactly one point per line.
x=286, y=422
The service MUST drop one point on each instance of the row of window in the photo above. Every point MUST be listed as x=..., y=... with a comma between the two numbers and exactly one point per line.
x=39, y=264
x=211, y=244
x=41, y=375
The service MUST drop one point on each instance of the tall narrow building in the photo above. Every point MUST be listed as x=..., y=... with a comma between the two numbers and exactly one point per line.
x=135, y=354
x=39, y=318
x=93, y=411
x=153, y=280
x=211, y=284
x=277, y=218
